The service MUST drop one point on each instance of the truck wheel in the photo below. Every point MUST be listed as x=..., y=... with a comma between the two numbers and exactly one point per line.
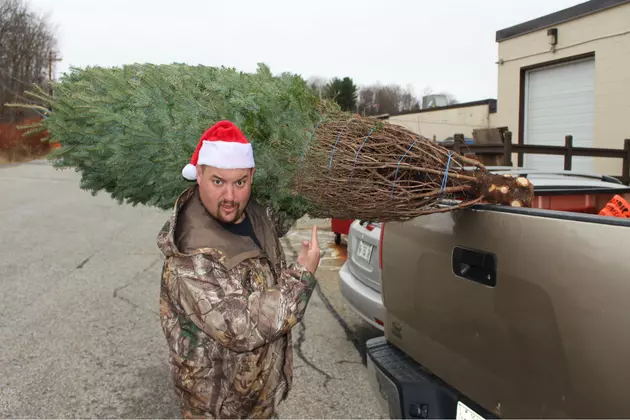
x=337, y=238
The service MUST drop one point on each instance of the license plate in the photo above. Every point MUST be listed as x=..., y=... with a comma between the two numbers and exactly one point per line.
x=466, y=413
x=364, y=251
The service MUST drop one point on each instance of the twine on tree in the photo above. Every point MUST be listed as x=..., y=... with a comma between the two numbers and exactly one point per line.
x=445, y=179
x=332, y=153
x=308, y=142
x=391, y=195
x=379, y=187
x=40, y=114
x=356, y=155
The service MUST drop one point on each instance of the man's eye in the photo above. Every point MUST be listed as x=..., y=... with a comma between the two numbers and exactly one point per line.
x=217, y=182
x=240, y=183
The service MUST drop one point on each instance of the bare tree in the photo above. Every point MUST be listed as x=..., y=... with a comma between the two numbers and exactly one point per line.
x=388, y=99
x=27, y=51
x=409, y=101
x=318, y=84
x=366, y=106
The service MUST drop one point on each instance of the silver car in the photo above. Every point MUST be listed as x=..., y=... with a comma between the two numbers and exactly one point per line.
x=360, y=276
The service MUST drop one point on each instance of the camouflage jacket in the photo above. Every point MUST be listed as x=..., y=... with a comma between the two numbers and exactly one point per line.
x=227, y=308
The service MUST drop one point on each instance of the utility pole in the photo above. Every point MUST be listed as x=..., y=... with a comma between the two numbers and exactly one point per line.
x=51, y=57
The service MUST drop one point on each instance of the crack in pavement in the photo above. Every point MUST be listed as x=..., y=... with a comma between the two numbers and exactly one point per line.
x=116, y=290
x=301, y=337
x=350, y=336
x=124, y=299
x=135, y=305
x=82, y=263
x=111, y=239
x=348, y=362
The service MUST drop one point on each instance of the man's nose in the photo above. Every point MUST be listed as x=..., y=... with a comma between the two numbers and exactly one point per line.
x=229, y=193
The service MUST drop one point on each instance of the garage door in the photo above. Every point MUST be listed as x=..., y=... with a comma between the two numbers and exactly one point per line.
x=560, y=100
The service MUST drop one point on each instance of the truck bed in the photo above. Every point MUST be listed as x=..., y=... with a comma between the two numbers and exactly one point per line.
x=524, y=311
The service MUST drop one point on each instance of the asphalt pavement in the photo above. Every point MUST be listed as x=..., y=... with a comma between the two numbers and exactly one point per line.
x=79, y=330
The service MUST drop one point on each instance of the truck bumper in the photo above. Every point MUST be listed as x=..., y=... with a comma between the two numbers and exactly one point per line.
x=408, y=391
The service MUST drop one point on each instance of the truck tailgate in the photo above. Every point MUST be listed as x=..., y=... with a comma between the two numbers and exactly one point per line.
x=540, y=328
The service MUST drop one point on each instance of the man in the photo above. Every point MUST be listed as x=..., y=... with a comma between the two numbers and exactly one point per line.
x=228, y=299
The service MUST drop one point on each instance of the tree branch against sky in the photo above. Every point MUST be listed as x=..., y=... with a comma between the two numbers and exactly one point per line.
x=26, y=40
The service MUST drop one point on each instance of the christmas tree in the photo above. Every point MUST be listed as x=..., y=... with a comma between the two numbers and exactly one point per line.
x=130, y=130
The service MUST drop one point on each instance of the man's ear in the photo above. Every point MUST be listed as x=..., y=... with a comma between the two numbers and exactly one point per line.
x=199, y=169
x=253, y=172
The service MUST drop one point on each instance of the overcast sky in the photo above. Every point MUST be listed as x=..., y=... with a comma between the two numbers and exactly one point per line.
x=447, y=45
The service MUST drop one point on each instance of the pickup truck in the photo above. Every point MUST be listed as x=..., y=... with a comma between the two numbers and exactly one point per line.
x=497, y=311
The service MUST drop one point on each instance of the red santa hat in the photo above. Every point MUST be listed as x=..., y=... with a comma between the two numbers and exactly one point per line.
x=222, y=146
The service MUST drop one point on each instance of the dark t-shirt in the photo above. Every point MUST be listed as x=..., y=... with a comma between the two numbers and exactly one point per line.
x=244, y=228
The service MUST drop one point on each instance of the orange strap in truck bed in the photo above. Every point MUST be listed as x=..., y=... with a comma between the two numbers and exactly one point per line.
x=617, y=207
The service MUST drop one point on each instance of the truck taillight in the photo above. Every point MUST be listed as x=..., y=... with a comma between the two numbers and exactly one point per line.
x=380, y=247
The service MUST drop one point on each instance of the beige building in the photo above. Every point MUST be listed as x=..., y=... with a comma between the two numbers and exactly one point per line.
x=563, y=73
x=441, y=123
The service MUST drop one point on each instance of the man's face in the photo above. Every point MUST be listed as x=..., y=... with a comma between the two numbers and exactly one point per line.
x=225, y=192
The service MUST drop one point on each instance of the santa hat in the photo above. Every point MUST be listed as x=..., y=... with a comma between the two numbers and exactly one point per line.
x=222, y=146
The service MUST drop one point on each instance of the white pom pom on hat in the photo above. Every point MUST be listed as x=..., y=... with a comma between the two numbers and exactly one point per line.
x=222, y=146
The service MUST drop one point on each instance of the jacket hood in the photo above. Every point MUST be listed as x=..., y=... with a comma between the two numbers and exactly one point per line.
x=192, y=230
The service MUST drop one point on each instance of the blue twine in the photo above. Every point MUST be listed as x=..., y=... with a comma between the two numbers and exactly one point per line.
x=391, y=195
x=42, y=115
x=445, y=179
x=356, y=155
x=308, y=142
x=332, y=153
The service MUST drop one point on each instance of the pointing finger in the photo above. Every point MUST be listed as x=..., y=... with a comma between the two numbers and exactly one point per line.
x=314, y=240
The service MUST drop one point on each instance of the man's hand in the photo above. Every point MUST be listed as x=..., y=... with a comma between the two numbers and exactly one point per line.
x=309, y=254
